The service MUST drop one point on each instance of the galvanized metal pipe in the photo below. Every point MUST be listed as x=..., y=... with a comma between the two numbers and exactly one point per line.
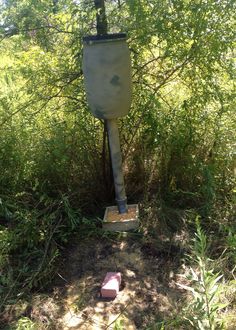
x=114, y=145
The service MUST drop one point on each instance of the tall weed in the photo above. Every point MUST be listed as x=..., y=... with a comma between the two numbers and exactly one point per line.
x=206, y=287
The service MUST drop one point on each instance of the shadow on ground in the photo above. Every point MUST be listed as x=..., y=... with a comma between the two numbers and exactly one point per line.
x=150, y=265
x=148, y=292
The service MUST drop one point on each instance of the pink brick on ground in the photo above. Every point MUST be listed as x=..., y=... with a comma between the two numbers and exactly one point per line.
x=110, y=285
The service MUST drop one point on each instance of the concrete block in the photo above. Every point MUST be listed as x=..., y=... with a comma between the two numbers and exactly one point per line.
x=111, y=285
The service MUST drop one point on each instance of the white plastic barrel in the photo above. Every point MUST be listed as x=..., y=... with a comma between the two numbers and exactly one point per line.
x=107, y=75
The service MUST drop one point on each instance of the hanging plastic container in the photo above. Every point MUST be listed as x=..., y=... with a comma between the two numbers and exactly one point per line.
x=107, y=75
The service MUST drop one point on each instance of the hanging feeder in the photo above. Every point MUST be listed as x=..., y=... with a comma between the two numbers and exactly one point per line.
x=107, y=73
x=107, y=78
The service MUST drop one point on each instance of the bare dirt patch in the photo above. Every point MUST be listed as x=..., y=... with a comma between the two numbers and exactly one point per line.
x=148, y=291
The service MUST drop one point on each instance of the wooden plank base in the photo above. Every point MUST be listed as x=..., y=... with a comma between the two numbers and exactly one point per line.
x=127, y=221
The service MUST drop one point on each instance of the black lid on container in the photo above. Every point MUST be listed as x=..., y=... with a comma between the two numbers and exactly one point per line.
x=105, y=37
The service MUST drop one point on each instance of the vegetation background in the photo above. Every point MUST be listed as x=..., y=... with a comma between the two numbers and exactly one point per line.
x=178, y=140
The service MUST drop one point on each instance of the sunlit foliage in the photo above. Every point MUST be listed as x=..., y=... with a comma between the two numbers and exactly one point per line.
x=177, y=141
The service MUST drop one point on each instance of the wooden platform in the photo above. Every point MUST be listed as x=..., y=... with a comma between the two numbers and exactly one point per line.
x=113, y=221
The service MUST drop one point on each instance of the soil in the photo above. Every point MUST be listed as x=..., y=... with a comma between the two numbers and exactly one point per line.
x=151, y=267
x=148, y=293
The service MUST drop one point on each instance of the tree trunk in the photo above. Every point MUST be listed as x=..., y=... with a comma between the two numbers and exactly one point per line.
x=101, y=17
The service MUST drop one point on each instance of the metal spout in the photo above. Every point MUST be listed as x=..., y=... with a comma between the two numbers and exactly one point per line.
x=114, y=145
